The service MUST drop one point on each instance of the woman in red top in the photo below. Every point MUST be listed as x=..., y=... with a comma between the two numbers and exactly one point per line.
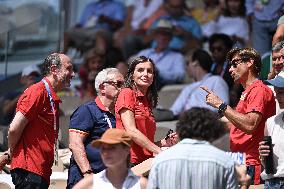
x=133, y=109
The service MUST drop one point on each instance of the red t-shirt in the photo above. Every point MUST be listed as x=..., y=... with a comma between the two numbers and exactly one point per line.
x=136, y=102
x=35, y=150
x=256, y=98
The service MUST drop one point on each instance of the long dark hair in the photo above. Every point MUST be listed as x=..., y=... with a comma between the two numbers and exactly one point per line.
x=152, y=93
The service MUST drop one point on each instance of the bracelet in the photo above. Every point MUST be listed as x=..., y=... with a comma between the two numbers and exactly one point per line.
x=88, y=172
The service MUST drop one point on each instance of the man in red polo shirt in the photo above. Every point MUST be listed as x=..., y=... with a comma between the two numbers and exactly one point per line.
x=256, y=104
x=34, y=129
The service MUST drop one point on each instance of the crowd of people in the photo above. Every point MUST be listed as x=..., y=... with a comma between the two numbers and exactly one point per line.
x=130, y=52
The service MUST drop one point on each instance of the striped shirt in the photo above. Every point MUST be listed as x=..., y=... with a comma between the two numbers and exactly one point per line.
x=192, y=164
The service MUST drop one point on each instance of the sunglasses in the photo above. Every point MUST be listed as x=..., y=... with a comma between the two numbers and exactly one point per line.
x=234, y=63
x=219, y=49
x=117, y=84
x=279, y=58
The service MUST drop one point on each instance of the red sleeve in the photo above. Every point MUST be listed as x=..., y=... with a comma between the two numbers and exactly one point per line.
x=30, y=102
x=258, y=100
x=125, y=99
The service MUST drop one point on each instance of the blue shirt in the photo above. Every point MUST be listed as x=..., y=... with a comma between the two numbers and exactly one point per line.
x=192, y=164
x=109, y=8
x=93, y=120
x=189, y=24
x=170, y=64
x=265, y=12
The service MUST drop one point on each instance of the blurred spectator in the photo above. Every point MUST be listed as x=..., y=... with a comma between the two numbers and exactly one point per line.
x=279, y=34
x=209, y=12
x=170, y=64
x=231, y=22
x=256, y=105
x=219, y=46
x=187, y=32
x=198, y=67
x=274, y=128
x=194, y=162
x=30, y=75
x=94, y=62
x=262, y=17
x=122, y=67
x=106, y=15
x=277, y=59
x=88, y=122
x=115, y=151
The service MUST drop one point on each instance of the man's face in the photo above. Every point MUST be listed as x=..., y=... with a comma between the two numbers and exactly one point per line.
x=278, y=61
x=163, y=39
x=175, y=7
x=218, y=51
x=65, y=73
x=280, y=96
x=239, y=69
x=113, y=85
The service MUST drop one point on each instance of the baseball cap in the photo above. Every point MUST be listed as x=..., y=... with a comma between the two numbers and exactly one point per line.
x=278, y=81
x=113, y=136
x=30, y=69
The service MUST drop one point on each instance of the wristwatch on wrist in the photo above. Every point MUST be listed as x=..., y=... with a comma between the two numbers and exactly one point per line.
x=9, y=157
x=222, y=108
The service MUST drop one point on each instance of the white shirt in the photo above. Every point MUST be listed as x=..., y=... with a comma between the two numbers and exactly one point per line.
x=193, y=96
x=101, y=181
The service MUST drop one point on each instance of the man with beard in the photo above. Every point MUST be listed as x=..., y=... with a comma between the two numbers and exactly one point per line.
x=256, y=105
x=89, y=122
x=33, y=133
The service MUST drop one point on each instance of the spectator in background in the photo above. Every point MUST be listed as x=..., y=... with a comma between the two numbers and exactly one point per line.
x=186, y=30
x=33, y=133
x=170, y=64
x=277, y=59
x=30, y=75
x=279, y=34
x=262, y=17
x=106, y=15
x=231, y=22
x=115, y=151
x=274, y=128
x=133, y=109
x=256, y=105
x=198, y=67
x=88, y=122
x=194, y=162
x=94, y=62
x=219, y=46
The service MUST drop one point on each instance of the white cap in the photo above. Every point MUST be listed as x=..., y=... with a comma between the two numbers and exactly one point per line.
x=278, y=81
x=30, y=69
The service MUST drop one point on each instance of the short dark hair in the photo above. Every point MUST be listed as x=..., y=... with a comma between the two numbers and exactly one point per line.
x=129, y=83
x=201, y=124
x=203, y=58
x=52, y=59
x=225, y=39
x=247, y=53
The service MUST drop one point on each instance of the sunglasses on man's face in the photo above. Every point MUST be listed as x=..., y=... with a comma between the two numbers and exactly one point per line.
x=217, y=48
x=234, y=63
x=117, y=84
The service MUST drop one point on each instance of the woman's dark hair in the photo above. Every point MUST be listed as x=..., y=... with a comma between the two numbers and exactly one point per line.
x=152, y=93
x=203, y=58
x=201, y=124
x=52, y=59
x=242, y=9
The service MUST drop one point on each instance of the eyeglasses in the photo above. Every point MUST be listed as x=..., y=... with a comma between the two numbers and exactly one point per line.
x=219, y=49
x=234, y=63
x=117, y=84
x=279, y=58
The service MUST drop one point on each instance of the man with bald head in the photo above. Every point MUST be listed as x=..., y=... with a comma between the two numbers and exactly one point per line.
x=33, y=133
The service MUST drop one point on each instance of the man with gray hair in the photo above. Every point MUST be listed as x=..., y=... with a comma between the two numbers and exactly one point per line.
x=33, y=133
x=277, y=59
x=88, y=122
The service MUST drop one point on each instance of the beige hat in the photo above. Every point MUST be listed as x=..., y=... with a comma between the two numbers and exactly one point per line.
x=164, y=25
x=30, y=69
x=113, y=136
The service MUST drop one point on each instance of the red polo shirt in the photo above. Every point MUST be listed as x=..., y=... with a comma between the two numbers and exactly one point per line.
x=136, y=102
x=256, y=98
x=35, y=150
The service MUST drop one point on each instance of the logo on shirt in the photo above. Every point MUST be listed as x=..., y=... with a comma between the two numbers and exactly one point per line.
x=243, y=96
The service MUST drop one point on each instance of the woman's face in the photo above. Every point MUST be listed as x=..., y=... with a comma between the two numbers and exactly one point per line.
x=234, y=6
x=114, y=155
x=143, y=75
x=95, y=64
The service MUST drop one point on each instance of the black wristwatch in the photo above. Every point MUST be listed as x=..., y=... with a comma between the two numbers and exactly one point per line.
x=222, y=108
